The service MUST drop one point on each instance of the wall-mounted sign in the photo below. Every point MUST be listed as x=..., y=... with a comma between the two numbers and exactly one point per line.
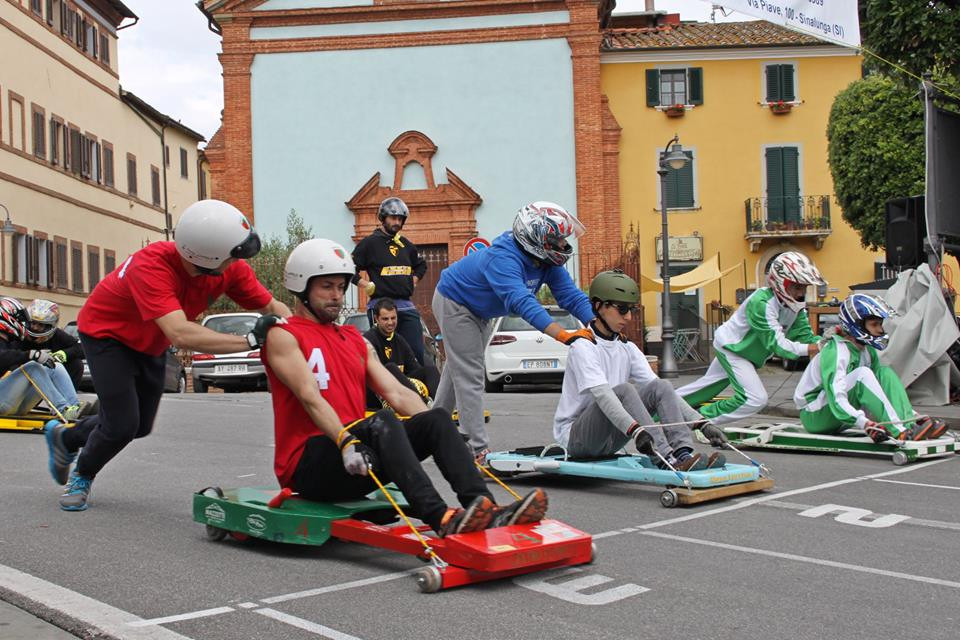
x=475, y=244
x=682, y=248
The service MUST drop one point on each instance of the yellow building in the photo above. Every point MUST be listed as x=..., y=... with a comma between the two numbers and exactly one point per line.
x=89, y=173
x=750, y=103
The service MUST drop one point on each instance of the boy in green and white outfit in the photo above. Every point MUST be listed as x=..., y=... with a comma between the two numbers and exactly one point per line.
x=772, y=321
x=846, y=386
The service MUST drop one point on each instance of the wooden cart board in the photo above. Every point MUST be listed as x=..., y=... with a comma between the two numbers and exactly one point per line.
x=792, y=436
x=695, y=486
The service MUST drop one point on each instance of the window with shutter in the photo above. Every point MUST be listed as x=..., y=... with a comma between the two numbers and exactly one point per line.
x=93, y=266
x=155, y=185
x=39, y=125
x=108, y=164
x=76, y=152
x=783, y=184
x=680, y=191
x=183, y=163
x=109, y=261
x=54, y=141
x=131, y=174
x=60, y=263
x=104, y=49
x=76, y=265
x=780, y=82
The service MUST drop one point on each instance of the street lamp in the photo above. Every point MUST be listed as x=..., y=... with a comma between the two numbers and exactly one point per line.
x=673, y=158
x=5, y=230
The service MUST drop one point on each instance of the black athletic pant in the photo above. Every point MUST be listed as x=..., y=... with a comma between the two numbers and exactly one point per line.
x=399, y=447
x=428, y=375
x=129, y=385
x=74, y=367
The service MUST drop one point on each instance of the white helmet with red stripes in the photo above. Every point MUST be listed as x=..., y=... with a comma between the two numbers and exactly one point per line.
x=792, y=267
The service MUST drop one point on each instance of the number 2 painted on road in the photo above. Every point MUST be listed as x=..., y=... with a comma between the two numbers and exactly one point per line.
x=319, y=368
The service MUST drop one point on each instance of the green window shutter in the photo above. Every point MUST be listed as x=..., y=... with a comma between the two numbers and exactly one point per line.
x=791, y=183
x=773, y=83
x=653, y=87
x=775, y=205
x=680, y=186
x=695, y=85
x=786, y=82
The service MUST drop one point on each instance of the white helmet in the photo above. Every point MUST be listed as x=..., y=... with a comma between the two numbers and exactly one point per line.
x=315, y=257
x=43, y=316
x=792, y=268
x=542, y=228
x=211, y=231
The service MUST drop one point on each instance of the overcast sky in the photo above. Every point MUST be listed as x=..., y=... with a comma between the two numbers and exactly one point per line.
x=169, y=58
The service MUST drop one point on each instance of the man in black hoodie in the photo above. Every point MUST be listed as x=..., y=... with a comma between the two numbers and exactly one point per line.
x=396, y=355
x=392, y=269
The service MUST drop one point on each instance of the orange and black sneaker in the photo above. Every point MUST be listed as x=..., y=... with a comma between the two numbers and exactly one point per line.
x=476, y=517
x=527, y=510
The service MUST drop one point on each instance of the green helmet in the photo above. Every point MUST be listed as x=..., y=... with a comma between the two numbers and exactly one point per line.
x=614, y=286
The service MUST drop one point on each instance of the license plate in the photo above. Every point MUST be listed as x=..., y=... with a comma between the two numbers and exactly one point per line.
x=541, y=364
x=230, y=368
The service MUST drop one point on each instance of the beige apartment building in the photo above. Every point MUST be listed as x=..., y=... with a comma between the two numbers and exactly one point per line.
x=89, y=172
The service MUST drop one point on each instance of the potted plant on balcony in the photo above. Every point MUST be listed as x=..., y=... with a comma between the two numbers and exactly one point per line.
x=675, y=111
x=780, y=107
x=756, y=225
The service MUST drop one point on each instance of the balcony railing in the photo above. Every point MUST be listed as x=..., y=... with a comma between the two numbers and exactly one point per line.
x=802, y=216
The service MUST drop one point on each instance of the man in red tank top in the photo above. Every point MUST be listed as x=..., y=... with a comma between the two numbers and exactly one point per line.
x=318, y=373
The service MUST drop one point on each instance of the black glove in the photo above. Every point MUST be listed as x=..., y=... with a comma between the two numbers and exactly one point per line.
x=258, y=336
x=714, y=434
x=44, y=357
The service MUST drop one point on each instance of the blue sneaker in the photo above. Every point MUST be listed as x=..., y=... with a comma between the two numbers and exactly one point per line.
x=59, y=459
x=75, y=496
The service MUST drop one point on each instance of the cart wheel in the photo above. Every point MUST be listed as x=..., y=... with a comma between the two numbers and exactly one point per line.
x=429, y=579
x=593, y=552
x=669, y=498
x=215, y=533
x=900, y=458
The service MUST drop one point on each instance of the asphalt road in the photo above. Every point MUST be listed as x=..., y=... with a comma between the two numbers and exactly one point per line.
x=136, y=566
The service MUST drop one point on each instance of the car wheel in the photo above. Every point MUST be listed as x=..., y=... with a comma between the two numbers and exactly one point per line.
x=492, y=386
x=182, y=383
x=199, y=386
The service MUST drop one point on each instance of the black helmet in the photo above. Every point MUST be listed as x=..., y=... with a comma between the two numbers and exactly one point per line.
x=393, y=207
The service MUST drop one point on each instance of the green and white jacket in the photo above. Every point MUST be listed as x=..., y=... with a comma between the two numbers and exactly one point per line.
x=762, y=327
x=824, y=382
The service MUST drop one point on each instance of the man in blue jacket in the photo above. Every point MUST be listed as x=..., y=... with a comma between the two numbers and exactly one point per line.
x=497, y=281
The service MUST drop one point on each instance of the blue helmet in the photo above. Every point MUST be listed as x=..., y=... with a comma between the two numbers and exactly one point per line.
x=856, y=309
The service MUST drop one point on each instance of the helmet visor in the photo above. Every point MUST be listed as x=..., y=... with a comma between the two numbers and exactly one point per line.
x=248, y=248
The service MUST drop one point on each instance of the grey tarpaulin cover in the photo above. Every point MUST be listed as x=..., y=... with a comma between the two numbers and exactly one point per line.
x=920, y=335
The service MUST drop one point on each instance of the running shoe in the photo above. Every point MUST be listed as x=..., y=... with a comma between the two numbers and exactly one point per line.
x=691, y=462
x=476, y=517
x=529, y=509
x=77, y=492
x=58, y=459
x=716, y=460
x=480, y=456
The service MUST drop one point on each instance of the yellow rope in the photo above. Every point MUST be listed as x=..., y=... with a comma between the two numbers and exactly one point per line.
x=346, y=429
x=42, y=395
x=497, y=480
x=437, y=560
x=907, y=72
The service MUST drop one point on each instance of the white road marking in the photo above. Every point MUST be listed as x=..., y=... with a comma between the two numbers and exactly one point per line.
x=89, y=613
x=569, y=590
x=306, y=625
x=936, y=524
x=806, y=559
x=205, y=613
x=854, y=516
x=247, y=475
x=338, y=587
x=919, y=484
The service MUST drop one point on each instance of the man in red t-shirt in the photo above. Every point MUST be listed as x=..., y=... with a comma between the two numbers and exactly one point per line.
x=318, y=373
x=136, y=312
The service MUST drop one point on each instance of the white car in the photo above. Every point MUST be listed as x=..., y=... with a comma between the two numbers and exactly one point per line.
x=519, y=354
x=229, y=371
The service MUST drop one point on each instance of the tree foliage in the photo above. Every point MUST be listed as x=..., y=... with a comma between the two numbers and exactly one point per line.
x=269, y=263
x=875, y=150
x=875, y=133
x=920, y=35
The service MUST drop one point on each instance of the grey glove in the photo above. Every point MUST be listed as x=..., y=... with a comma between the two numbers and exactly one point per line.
x=357, y=458
x=714, y=434
x=258, y=336
x=44, y=357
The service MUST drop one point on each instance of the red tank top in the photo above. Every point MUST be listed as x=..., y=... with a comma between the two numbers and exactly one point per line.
x=337, y=357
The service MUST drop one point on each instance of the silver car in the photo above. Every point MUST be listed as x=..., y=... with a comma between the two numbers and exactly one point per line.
x=519, y=354
x=240, y=371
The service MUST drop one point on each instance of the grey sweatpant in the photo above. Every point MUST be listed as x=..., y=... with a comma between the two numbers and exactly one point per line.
x=592, y=435
x=461, y=384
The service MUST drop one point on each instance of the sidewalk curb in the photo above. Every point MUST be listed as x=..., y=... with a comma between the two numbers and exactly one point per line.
x=53, y=617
